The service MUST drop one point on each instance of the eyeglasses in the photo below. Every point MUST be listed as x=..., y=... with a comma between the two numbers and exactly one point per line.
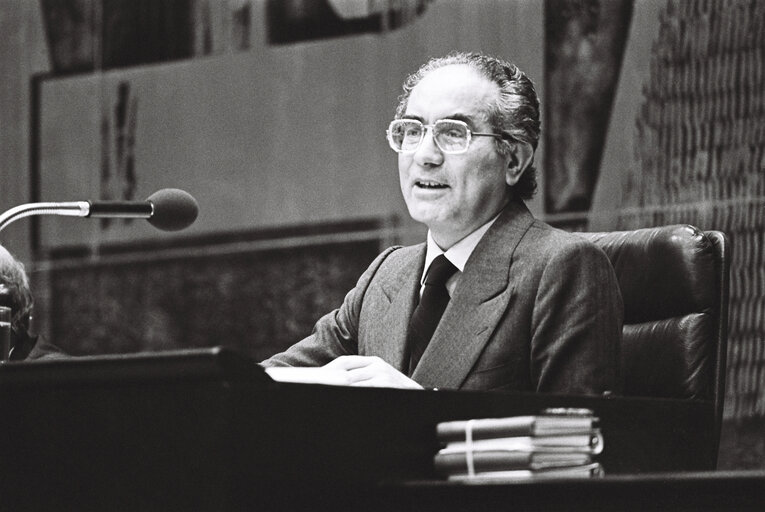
x=451, y=136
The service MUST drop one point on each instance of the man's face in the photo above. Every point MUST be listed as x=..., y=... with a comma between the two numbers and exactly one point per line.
x=453, y=194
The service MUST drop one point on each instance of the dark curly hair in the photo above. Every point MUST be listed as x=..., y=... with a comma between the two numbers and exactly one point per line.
x=515, y=114
x=14, y=289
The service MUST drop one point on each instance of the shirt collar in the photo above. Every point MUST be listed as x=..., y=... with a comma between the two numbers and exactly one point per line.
x=458, y=253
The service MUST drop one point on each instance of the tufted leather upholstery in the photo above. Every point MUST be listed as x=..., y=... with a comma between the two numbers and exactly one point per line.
x=674, y=281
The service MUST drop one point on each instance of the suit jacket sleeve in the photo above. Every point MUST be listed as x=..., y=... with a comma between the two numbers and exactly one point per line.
x=336, y=333
x=577, y=323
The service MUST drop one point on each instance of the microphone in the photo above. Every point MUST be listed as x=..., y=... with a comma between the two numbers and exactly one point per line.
x=169, y=209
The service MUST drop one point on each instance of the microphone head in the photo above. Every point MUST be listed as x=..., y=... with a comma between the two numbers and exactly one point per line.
x=174, y=209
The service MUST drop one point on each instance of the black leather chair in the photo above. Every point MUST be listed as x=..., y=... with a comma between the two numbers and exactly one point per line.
x=675, y=283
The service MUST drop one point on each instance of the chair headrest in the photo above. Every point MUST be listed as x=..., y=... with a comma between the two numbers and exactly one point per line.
x=672, y=265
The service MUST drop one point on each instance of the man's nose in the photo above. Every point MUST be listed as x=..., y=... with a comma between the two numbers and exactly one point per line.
x=428, y=154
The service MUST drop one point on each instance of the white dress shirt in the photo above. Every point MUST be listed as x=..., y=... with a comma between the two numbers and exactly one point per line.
x=457, y=254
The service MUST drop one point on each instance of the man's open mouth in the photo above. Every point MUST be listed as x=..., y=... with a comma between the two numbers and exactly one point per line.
x=429, y=184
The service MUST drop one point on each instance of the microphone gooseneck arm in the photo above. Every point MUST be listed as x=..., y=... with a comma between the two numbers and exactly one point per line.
x=70, y=209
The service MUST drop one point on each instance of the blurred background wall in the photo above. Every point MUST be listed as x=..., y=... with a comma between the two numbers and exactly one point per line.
x=272, y=114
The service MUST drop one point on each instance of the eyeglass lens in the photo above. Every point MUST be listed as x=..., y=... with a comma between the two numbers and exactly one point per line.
x=450, y=136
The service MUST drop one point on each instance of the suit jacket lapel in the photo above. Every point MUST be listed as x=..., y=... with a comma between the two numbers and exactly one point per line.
x=479, y=301
x=401, y=287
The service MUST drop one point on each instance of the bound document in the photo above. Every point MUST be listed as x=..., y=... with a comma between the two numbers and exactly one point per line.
x=538, y=425
x=559, y=443
x=457, y=463
x=593, y=470
x=591, y=443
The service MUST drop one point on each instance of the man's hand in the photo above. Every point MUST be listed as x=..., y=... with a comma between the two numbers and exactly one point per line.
x=370, y=371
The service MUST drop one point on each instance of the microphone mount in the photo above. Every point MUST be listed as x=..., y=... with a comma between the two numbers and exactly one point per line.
x=70, y=209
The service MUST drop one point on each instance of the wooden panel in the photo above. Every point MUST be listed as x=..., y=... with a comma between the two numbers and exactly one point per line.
x=259, y=301
x=201, y=439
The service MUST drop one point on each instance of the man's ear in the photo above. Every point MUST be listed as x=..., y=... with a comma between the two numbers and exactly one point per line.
x=520, y=157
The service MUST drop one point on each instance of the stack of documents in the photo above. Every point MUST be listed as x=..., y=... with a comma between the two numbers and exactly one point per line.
x=559, y=443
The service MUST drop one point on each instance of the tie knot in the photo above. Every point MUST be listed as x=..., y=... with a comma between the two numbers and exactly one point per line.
x=441, y=269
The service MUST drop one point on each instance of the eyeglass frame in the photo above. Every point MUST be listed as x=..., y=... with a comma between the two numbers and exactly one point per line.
x=470, y=134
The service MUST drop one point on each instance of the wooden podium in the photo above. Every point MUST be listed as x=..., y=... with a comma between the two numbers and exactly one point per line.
x=207, y=429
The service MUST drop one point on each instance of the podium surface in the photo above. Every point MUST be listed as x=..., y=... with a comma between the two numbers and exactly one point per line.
x=208, y=430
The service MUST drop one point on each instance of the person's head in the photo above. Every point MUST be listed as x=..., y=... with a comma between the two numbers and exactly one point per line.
x=15, y=291
x=454, y=193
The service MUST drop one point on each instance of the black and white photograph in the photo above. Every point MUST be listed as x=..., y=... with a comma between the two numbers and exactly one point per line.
x=385, y=255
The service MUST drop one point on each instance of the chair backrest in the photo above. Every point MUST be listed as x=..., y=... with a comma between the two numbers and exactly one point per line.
x=675, y=283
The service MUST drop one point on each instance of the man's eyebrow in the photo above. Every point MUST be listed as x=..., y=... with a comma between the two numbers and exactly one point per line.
x=465, y=118
x=469, y=120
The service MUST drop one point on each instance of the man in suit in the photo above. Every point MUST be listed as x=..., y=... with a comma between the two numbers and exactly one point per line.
x=527, y=307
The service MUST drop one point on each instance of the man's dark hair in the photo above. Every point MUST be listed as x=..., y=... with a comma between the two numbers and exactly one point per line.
x=515, y=115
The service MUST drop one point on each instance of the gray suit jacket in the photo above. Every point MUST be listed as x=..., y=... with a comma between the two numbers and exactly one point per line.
x=536, y=309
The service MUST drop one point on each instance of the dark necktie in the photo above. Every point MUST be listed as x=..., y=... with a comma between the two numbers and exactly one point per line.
x=428, y=312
